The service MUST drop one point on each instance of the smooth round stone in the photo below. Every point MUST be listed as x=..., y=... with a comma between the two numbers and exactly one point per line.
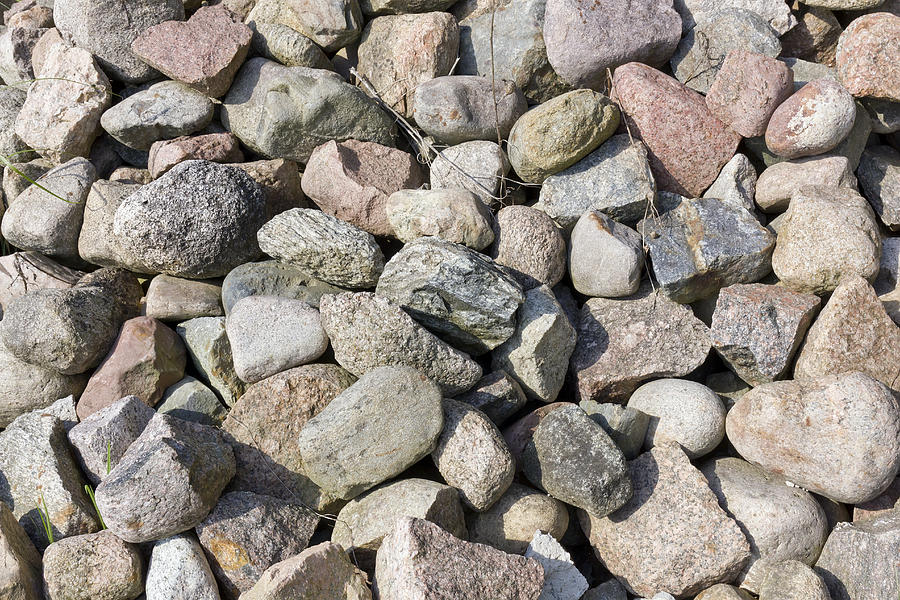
x=683, y=411
x=792, y=579
x=510, y=524
x=606, y=258
x=174, y=299
x=94, y=565
x=273, y=278
x=814, y=120
x=287, y=45
x=455, y=215
x=530, y=245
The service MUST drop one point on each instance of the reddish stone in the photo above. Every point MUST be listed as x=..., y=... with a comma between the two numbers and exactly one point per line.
x=814, y=120
x=687, y=145
x=146, y=358
x=748, y=89
x=203, y=52
x=868, y=56
x=280, y=181
x=214, y=147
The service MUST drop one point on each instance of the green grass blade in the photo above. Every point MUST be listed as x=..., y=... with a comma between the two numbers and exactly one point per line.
x=90, y=494
x=45, y=518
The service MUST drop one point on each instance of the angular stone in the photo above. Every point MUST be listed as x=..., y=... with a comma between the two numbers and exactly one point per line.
x=273, y=278
x=214, y=147
x=182, y=465
x=778, y=182
x=814, y=120
x=562, y=579
x=774, y=12
x=814, y=38
x=886, y=502
x=560, y=132
x=866, y=56
x=789, y=428
x=16, y=47
x=497, y=395
x=879, y=177
x=530, y=245
x=14, y=183
x=672, y=508
x=20, y=577
x=519, y=433
x=687, y=146
x=510, y=523
x=352, y=180
x=287, y=45
x=378, y=427
x=173, y=299
x=736, y=184
x=606, y=258
x=204, y=52
x=190, y=400
x=178, y=566
x=478, y=166
x=455, y=292
x=93, y=566
x=457, y=216
x=626, y=426
x=207, y=345
x=331, y=25
x=369, y=331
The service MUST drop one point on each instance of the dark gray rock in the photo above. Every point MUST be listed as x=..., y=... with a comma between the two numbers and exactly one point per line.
x=11, y=101
x=273, y=278
x=190, y=400
x=626, y=426
x=207, y=344
x=879, y=177
x=497, y=395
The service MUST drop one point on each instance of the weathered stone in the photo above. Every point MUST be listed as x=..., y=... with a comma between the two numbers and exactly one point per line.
x=562, y=579
x=608, y=590
x=510, y=523
x=16, y=47
x=774, y=12
x=174, y=299
x=178, y=566
x=210, y=351
x=723, y=591
x=777, y=183
x=530, y=245
x=190, y=400
x=884, y=503
x=214, y=147
x=280, y=182
x=25, y=387
x=20, y=578
x=11, y=101
x=866, y=56
x=331, y=25
x=14, y=183
x=518, y=435
x=497, y=395
x=478, y=166
x=287, y=45
x=94, y=566
x=97, y=243
x=626, y=426
x=879, y=177
x=814, y=38
x=856, y=141
x=792, y=579
x=885, y=115
x=736, y=184
x=814, y=120
x=457, y=216
x=606, y=258
x=788, y=428
x=273, y=278
x=23, y=272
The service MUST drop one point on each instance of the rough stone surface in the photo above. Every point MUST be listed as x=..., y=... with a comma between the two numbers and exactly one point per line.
x=812, y=121
x=778, y=182
x=23, y=272
x=20, y=578
x=287, y=45
x=173, y=299
x=879, y=177
x=280, y=181
x=519, y=433
x=530, y=245
x=458, y=216
x=16, y=48
x=509, y=525
x=497, y=395
x=94, y=566
x=626, y=426
x=723, y=591
x=792, y=579
x=330, y=25
x=478, y=166
x=814, y=38
x=562, y=580
x=210, y=351
x=96, y=242
x=178, y=566
x=190, y=400
x=736, y=184
x=866, y=56
x=214, y=147
x=273, y=278
x=606, y=258
x=775, y=12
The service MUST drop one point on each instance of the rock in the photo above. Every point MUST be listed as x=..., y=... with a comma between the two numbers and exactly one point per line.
x=164, y=463
x=814, y=120
x=352, y=180
x=606, y=258
x=757, y=328
x=885, y=115
x=323, y=571
x=210, y=351
x=747, y=89
x=457, y=216
x=262, y=428
x=798, y=451
x=880, y=505
x=626, y=426
x=562, y=580
x=332, y=26
x=455, y=109
x=15, y=183
x=856, y=550
x=214, y=147
x=163, y=111
x=614, y=179
x=40, y=475
x=107, y=29
x=273, y=278
x=269, y=334
x=93, y=566
x=21, y=575
x=293, y=124
x=585, y=41
x=96, y=242
x=774, y=12
x=672, y=508
x=497, y=395
x=100, y=439
x=326, y=247
x=518, y=435
x=368, y=331
x=396, y=7
x=454, y=291
x=703, y=49
x=560, y=132
x=11, y=101
x=204, y=52
x=681, y=411
x=190, y=400
x=178, y=566
x=202, y=224
x=16, y=48
x=792, y=579
x=814, y=38
x=827, y=233
x=280, y=182
x=247, y=533
x=879, y=177
x=886, y=282
x=146, y=358
x=625, y=341
x=723, y=591
x=71, y=330
x=866, y=57
x=22, y=272
x=364, y=522
x=418, y=555
x=381, y=425
x=736, y=184
x=537, y=354
x=687, y=146
x=510, y=523
x=608, y=590
x=472, y=456
x=49, y=222
x=287, y=45
x=530, y=245
x=479, y=167
x=173, y=299
x=780, y=181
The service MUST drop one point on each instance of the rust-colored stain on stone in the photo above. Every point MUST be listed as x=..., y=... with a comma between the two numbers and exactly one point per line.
x=230, y=555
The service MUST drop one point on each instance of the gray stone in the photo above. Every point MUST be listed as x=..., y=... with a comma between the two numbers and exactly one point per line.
x=879, y=177
x=885, y=115
x=789, y=428
x=608, y=590
x=562, y=580
x=100, y=440
x=319, y=107
x=736, y=184
x=368, y=331
x=106, y=30
x=856, y=141
x=888, y=274
x=269, y=334
x=16, y=48
x=614, y=179
x=174, y=299
x=792, y=579
x=381, y=425
x=94, y=566
x=273, y=278
x=537, y=354
x=626, y=425
x=332, y=26
x=519, y=434
x=190, y=400
x=49, y=222
x=672, y=509
x=509, y=525
x=497, y=395
x=183, y=466
x=780, y=181
x=97, y=243
x=364, y=522
x=163, y=111
x=287, y=45
x=197, y=221
x=247, y=533
x=395, y=7
x=774, y=12
x=64, y=410
x=16, y=176
x=178, y=566
x=280, y=181
x=458, y=216
x=324, y=246
x=210, y=351
x=530, y=245
x=478, y=166
x=454, y=291
x=11, y=101
x=723, y=591
x=20, y=577
x=606, y=258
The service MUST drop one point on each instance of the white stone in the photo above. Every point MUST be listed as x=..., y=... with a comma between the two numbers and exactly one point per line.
x=562, y=580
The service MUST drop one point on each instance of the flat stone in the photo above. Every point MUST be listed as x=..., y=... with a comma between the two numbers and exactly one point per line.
x=672, y=508
x=174, y=299
x=378, y=427
x=457, y=293
x=273, y=278
x=560, y=132
x=530, y=245
x=497, y=395
x=814, y=120
x=768, y=427
x=368, y=331
x=21, y=574
x=324, y=246
x=478, y=166
x=214, y=147
x=210, y=351
x=332, y=26
x=774, y=12
x=458, y=216
x=178, y=566
x=190, y=400
x=562, y=580
x=163, y=463
x=866, y=56
x=287, y=45
x=510, y=523
x=606, y=258
x=778, y=182
x=879, y=177
x=687, y=146
x=626, y=426
x=94, y=565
